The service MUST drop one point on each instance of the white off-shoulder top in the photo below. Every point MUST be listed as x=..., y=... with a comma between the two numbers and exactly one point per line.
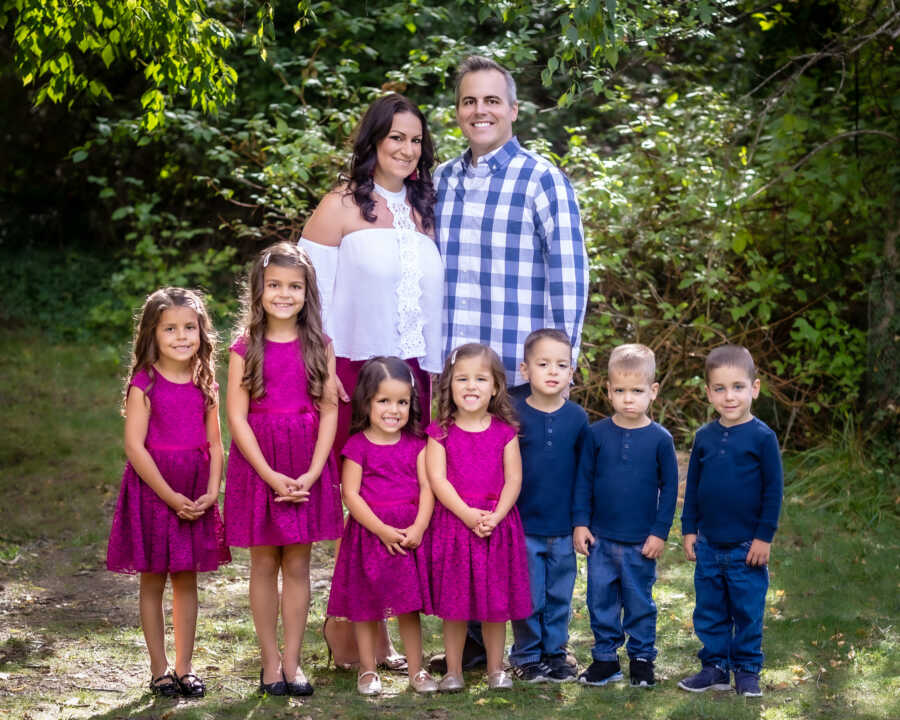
x=382, y=289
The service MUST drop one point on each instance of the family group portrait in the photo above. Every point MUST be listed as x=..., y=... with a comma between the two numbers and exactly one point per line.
x=417, y=359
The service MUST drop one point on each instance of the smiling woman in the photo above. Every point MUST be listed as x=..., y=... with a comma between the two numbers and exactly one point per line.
x=380, y=273
x=371, y=240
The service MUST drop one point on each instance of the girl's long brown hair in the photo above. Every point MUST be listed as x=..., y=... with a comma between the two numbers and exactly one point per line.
x=371, y=374
x=252, y=325
x=499, y=406
x=144, y=351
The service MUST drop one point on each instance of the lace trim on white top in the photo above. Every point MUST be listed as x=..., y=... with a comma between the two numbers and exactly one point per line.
x=410, y=320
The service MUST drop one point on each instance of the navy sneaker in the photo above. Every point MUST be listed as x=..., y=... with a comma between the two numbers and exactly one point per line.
x=641, y=672
x=601, y=672
x=533, y=672
x=560, y=669
x=747, y=684
x=709, y=678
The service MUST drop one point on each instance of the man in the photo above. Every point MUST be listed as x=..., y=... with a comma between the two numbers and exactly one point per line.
x=510, y=234
x=508, y=228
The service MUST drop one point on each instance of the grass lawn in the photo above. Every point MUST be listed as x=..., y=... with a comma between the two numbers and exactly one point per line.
x=71, y=645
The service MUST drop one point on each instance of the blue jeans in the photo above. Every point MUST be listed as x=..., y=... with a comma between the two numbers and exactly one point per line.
x=551, y=570
x=731, y=603
x=620, y=600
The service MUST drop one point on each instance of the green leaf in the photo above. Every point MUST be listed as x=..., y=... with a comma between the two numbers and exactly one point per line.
x=107, y=55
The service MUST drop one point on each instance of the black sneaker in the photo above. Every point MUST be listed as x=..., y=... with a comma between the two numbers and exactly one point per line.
x=601, y=672
x=747, y=684
x=560, y=669
x=709, y=678
x=533, y=672
x=641, y=672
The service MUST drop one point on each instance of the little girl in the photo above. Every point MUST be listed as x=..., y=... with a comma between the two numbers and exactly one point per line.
x=382, y=568
x=281, y=490
x=479, y=566
x=167, y=519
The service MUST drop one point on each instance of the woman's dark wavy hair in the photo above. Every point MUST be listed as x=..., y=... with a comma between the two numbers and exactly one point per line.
x=371, y=374
x=500, y=404
x=372, y=129
x=144, y=351
x=252, y=323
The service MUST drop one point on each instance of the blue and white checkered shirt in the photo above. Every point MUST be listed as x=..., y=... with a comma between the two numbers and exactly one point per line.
x=510, y=235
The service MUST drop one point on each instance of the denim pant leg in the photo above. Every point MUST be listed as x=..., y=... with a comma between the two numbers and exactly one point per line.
x=712, y=621
x=527, y=633
x=747, y=588
x=639, y=610
x=604, y=598
x=560, y=584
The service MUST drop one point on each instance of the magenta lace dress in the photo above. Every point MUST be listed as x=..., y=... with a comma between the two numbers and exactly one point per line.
x=285, y=422
x=475, y=578
x=369, y=583
x=146, y=534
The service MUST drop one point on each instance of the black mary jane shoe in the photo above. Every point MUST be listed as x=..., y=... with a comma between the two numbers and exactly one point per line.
x=295, y=689
x=279, y=687
x=166, y=685
x=190, y=685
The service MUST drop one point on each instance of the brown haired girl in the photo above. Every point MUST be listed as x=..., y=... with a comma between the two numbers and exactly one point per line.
x=479, y=566
x=281, y=493
x=382, y=568
x=167, y=522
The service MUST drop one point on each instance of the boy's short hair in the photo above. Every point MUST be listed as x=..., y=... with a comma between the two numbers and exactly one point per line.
x=633, y=357
x=546, y=334
x=730, y=356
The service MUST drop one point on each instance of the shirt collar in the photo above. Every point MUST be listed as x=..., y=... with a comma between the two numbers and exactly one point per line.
x=495, y=160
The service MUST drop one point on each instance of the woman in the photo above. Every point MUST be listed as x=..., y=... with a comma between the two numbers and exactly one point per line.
x=380, y=274
x=372, y=242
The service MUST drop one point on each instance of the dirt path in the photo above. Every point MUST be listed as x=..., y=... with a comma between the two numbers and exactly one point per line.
x=70, y=643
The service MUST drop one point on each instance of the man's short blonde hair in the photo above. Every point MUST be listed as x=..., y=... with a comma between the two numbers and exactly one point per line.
x=633, y=358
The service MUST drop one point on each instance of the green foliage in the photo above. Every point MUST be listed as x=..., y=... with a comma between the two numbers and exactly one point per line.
x=728, y=158
x=851, y=474
x=176, y=45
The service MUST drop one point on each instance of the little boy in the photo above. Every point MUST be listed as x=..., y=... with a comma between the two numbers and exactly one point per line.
x=731, y=504
x=624, y=503
x=553, y=431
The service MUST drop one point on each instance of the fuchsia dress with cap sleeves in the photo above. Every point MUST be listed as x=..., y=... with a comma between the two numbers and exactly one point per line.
x=285, y=422
x=475, y=578
x=369, y=583
x=146, y=534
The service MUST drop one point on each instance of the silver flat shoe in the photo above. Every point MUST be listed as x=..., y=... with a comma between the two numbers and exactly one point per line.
x=451, y=683
x=372, y=686
x=500, y=680
x=423, y=683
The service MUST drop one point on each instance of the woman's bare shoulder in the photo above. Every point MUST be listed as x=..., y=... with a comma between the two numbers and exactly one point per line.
x=335, y=212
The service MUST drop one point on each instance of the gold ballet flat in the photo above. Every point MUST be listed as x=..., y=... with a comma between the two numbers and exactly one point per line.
x=500, y=680
x=451, y=683
x=423, y=683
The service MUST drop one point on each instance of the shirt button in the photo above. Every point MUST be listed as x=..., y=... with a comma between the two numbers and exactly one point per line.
x=550, y=431
x=721, y=452
x=626, y=444
x=549, y=443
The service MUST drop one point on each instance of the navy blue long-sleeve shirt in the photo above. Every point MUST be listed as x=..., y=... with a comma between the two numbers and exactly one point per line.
x=734, y=483
x=627, y=483
x=550, y=444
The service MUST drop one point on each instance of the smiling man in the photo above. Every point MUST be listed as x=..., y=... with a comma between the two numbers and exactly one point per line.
x=508, y=228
